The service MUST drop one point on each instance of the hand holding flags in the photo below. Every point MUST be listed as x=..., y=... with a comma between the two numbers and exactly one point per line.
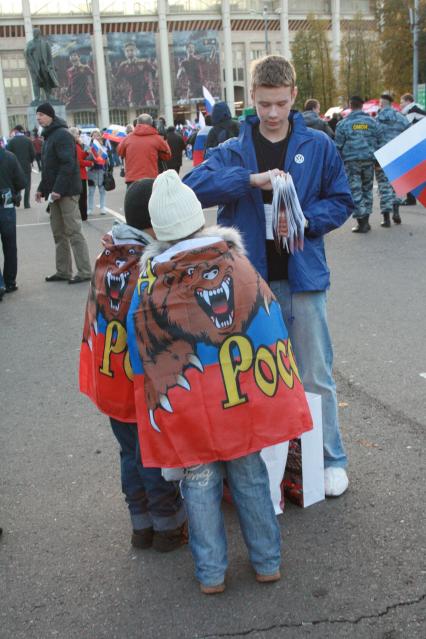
x=99, y=152
x=285, y=202
x=403, y=160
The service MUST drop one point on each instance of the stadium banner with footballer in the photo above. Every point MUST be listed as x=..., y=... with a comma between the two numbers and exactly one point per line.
x=73, y=60
x=132, y=75
x=195, y=64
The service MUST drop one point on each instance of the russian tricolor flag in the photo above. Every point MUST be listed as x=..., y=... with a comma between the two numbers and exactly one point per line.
x=200, y=145
x=115, y=132
x=98, y=152
x=208, y=100
x=403, y=160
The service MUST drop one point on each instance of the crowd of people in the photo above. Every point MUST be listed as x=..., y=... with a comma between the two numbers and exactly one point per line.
x=178, y=315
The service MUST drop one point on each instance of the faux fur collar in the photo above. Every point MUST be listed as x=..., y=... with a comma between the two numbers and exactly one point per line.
x=229, y=234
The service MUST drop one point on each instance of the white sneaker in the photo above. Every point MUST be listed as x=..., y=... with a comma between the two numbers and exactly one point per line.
x=336, y=481
x=103, y=211
x=89, y=212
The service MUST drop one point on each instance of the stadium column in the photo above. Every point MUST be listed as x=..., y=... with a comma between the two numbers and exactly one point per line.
x=285, y=34
x=227, y=41
x=4, y=121
x=335, y=29
x=100, y=66
x=28, y=27
x=165, y=61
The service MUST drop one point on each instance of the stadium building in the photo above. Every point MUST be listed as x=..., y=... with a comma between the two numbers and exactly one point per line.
x=117, y=58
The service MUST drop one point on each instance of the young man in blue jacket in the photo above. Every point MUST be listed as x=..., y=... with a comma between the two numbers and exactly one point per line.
x=236, y=177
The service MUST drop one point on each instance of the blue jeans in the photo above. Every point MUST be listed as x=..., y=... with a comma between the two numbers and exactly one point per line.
x=8, y=239
x=202, y=488
x=305, y=315
x=152, y=501
x=96, y=179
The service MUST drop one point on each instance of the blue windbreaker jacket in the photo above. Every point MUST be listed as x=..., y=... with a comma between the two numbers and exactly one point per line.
x=321, y=185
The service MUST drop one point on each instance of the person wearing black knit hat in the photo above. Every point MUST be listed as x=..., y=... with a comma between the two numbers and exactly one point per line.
x=136, y=204
x=61, y=186
x=156, y=511
x=47, y=109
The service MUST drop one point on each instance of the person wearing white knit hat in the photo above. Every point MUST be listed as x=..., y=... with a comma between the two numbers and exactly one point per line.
x=174, y=208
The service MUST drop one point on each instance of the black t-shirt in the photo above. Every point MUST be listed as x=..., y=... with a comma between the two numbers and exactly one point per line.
x=271, y=155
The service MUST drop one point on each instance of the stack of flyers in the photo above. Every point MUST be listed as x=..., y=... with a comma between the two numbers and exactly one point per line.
x=285, y=202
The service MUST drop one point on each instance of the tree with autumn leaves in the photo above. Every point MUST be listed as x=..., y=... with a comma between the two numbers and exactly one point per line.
x=374, y=57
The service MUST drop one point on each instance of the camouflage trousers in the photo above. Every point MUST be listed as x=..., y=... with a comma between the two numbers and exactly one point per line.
x=386, y=193
x=361, y=177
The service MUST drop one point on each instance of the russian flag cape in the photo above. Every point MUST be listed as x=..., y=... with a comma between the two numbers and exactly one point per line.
x=214, y=373
x=105, y=373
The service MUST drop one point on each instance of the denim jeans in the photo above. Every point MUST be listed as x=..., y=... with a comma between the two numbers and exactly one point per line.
x=202, y=488
x=8, y=239
x=96, y=179
x=152, y=501
x=305, y=315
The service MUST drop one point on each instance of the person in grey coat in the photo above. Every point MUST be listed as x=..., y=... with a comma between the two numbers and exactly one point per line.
x=312, y=118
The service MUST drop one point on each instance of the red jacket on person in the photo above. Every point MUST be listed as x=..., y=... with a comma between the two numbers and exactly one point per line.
x=141, y=150
x=82, y=161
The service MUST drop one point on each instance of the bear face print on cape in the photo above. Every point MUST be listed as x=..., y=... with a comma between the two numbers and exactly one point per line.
x=105, y=372
x=214, y=372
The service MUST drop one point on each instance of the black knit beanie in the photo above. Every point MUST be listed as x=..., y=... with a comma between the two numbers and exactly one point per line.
x=136, y=204
x=46, y=108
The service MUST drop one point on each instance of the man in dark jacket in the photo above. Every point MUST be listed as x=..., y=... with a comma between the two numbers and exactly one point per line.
x=224, y=127
x=236, y=176
x=12, y=181
x=61, y=186
x=312, y=118
x=177, y=147
x=23, y=148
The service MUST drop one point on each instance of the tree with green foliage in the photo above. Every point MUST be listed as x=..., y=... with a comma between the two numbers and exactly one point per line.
x=360, y=72
x=312, y=59
x=396, y=43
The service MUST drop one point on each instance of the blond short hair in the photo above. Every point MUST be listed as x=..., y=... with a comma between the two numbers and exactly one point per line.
x=272, y=71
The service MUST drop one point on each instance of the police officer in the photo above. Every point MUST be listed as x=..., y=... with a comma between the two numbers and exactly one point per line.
x=12, y=181
x=392, y=123
x=357, y=137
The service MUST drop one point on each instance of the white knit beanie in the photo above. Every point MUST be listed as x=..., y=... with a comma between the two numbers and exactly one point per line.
x=174, y=208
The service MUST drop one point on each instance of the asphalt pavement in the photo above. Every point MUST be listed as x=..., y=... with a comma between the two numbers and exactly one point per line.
x=353, y=567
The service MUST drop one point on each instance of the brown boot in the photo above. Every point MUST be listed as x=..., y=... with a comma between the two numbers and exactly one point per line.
x=167, y=540
x=268, y=579
x=212, y=590
x=142, y=538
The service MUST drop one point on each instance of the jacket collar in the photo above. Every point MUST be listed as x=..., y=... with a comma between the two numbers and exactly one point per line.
x=228, y=234
x=300, y=133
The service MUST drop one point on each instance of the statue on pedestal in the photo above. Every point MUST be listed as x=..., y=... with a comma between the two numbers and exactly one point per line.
x=38, y=56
